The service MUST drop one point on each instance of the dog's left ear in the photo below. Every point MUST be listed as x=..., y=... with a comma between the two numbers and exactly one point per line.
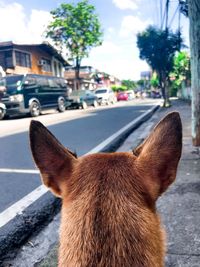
x=158, y=156
x=54, y=161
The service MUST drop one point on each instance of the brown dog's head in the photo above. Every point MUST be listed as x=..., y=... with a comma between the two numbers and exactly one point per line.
x=109, y=216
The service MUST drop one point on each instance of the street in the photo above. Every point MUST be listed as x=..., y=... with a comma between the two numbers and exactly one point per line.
x=79, y=130
x=179, y=207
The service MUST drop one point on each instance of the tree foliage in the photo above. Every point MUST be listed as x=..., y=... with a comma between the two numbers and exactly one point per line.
x=129, y=84
x=77, y=28
x=181, y=69
x=181, y=72
x=118, y=88
x=154, y=81
x=158, y=48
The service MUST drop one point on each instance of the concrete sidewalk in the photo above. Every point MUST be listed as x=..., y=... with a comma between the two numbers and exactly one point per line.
x=179, y=206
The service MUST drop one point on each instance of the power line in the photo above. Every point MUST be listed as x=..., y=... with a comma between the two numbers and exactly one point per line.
x=161, y=12
x=164, y=15
x=173, y=17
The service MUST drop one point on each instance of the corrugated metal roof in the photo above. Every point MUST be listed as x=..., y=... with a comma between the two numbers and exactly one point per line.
x=45, y=45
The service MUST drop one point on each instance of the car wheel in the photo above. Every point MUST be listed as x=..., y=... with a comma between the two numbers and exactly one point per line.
x=34, y=109
x=2, y=114
x=95, y=104
x=84, y=105
x=61, y=105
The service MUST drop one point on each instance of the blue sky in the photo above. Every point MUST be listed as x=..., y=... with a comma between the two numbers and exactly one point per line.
x=24, y=21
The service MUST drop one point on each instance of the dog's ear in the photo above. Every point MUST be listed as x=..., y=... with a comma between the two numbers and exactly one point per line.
x=54, y=161
x=158, y=156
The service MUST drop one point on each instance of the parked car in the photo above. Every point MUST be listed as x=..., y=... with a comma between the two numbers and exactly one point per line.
x=122, y=96
x=82, y=99
x=105, y=96
x=131, y=95
x=156, y=94
x=2, y=110
x=34, y=93
x=2, y=93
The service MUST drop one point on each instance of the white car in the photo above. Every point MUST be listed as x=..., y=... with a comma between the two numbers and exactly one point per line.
x=105, y=96
x=131, y=95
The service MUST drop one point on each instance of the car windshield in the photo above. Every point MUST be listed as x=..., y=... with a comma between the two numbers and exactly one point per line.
x=13, y=83
x=102, y=91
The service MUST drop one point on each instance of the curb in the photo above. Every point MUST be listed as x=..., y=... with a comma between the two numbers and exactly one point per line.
x=41, y=212
x=131, y=127
x=36, y=216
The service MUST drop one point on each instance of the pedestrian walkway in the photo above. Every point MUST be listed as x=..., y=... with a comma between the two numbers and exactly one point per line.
x=180, y=205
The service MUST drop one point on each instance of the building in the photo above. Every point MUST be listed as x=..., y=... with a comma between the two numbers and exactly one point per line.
x=31, y=58
x=90, y=78
x=145, y=75
x=107, y=80
x=86, y=77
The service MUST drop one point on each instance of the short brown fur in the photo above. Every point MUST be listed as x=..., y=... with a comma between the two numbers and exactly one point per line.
x=109, y=216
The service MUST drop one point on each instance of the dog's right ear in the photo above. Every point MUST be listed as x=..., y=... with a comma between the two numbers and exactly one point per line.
x=158, y=156
x=54, y=161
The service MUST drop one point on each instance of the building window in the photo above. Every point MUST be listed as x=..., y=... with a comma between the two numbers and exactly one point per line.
x=23, y=59
x=8, y=59
x=46, y=66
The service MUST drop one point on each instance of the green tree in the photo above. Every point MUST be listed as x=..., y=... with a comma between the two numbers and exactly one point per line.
x=154, y=80
x=129, y=84
x=181, y=71
x=77, y=28
x=118, y=88
x=158, y=47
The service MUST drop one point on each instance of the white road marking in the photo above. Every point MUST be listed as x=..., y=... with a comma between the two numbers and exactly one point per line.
x=19, y=171
x=18, y=207
x=115, y=135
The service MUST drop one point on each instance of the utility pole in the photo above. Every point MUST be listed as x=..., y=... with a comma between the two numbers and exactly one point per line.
x=194, y=18
x=167, y=15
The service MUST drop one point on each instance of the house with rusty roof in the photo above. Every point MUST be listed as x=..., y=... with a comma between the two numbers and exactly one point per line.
x=41, y=59
x=90, y=78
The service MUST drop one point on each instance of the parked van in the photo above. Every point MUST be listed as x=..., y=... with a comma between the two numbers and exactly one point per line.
x=32, y=93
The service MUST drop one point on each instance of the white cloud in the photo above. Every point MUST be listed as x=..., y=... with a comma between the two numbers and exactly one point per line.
x=38, y=22
x=120, y=68
x=120, y=60
x=131, y=25
x=107, y=48
x=110, y=30
x=18, y=27
x=126, y=4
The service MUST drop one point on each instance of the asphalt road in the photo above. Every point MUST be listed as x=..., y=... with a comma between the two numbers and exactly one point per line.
x=80, y=131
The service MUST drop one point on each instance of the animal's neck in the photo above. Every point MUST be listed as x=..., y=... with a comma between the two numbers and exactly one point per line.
x=114, y=236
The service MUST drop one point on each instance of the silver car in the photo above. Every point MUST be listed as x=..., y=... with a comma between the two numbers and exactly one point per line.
x=2, y=111
x=105, y=96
